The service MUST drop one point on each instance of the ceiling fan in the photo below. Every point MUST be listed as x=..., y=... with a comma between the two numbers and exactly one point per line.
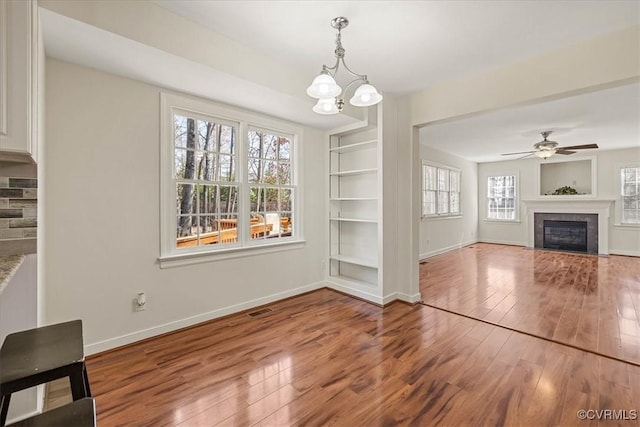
x=545, y=148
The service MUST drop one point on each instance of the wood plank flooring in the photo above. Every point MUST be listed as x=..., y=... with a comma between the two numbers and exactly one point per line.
x=327, y=359
x=583, y=300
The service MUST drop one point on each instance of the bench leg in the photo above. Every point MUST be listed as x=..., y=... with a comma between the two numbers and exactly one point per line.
x=5, y=409
x=87, y=388
x=76, y=381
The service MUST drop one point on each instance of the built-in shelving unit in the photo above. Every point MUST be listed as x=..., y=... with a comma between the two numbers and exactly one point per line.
x=354, y=213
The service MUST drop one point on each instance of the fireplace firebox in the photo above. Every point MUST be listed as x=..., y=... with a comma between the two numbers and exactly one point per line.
x=565, y=235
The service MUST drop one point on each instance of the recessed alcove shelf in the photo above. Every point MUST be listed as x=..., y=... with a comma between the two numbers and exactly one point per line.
x=579, y=173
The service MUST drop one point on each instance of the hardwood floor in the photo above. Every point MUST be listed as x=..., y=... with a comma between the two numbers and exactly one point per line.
x=327, y=359
x=583, y=300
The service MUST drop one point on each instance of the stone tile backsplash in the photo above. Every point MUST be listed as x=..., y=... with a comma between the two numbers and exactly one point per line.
x=18, y=208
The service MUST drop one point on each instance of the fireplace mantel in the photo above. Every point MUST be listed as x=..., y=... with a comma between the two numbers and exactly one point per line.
x=571, y=204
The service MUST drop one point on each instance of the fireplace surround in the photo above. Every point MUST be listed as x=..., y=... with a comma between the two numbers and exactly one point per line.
x=563, y=220
x=566, y=208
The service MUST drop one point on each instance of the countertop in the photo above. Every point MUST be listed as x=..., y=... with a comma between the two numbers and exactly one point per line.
x=8, y=267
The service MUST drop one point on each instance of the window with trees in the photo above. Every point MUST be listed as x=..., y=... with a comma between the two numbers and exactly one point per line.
x=501, y=198
x=630, y=194
x=440, y=190
x=228, y=179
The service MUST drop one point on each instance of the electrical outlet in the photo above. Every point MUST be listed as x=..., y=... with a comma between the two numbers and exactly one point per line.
x=140, y=302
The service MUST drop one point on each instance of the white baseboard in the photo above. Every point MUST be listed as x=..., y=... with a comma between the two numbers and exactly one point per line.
x=446, y=249
x=411, y=299
x=625, y=253
x=358, y=293
x=503, y=242
x=112, y=343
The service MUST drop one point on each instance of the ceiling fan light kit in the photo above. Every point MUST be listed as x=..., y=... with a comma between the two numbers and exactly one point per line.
x=545, y=148
x=325, y=88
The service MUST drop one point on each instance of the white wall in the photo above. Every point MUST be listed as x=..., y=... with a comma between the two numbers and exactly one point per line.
x=624, y=240
x=438, y=235
x=102, y=219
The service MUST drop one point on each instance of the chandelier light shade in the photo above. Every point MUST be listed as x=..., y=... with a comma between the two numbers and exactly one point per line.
x=326, y=106
x=324, y=86
x=327, y=91
x=365, y=96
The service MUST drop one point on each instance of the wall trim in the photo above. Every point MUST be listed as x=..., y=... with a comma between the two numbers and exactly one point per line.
x=357, y=293
x=411, y=299
x=111, y=343
x=624, y=253
x=447, y=249
x=503, y=242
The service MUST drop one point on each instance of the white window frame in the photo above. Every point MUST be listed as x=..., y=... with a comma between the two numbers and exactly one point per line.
x=516, y=204
x=621, y=194
x=439, y=167
x=170, y=255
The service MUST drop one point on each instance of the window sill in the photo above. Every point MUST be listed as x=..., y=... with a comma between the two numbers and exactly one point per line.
x=627, y=226
x=503, y=221
x=169, y=261
x=438, y=217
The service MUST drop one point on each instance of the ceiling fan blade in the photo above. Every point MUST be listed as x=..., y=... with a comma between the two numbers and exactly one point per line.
x=578, y=147
x=524, y=157
x=565, y=152
x=521, y=152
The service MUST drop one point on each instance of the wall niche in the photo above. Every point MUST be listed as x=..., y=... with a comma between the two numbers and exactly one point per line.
x=579, y=174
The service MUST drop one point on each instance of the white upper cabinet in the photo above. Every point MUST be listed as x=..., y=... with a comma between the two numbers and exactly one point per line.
x=19, y=80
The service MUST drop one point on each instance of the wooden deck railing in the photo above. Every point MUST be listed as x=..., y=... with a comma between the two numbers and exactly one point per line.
x=223, y=235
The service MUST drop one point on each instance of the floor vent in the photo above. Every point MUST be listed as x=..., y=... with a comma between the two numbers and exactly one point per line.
x=423, y=262
x=260, y=312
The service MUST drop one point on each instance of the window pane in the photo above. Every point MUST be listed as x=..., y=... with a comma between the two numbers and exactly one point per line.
x=227, y=140
x=257, y=199
x=180, y=131
x=187, y=231
x=205, y=135
x=227, y=168
x=285, y=199
x=207, y=225
x=630, y=190
x=270, y=172
x=443, y=180
x=284, y=149
x=286, y=223
x=228, y=200
x=429, y=203
x=208, y=196
x=454, y=202
x=255, y=170
x=259, y=229
x=270, y=144
x=455, y=181
x=186, y=198
x=205, y=166
x=271, y=199
x=443, y=202
x=284, y=173
x=429, y=175
x=185, y=163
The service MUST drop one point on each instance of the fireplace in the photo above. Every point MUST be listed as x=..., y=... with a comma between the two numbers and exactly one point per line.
x=565, y=235
x=595, y=211
x=576, y=232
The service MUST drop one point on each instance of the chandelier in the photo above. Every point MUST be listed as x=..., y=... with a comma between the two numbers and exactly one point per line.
x=327, y=91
